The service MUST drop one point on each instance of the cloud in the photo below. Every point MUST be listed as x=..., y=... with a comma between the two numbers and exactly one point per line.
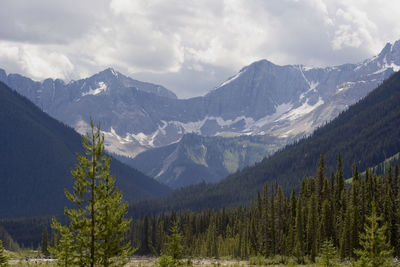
x=189, y=46
x=35, y=61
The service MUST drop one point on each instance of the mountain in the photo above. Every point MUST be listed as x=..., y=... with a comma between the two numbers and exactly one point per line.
x=263, y=98
x=76, y=102
x=37, y=153
x=196, y=158
x=367, y=133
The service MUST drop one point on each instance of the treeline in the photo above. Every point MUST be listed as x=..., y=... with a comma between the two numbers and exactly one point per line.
x=325, y=209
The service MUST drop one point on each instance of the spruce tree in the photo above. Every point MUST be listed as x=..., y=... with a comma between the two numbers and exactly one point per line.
x=264, y=224
x=299, y=243
x=174, y=250
x=312, y=227
x=376, y=251
x=320, y=176
x=3, y=256
x=328, y=254
x=45, y=241
x=95, y=234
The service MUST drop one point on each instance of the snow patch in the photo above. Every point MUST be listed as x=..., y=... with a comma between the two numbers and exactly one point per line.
x=113, y=72
x=344, y=87
x=302, y=110
x=102, y=88
x=250, y=127
x=386, y=66
x=230, y=79
x=312, y=88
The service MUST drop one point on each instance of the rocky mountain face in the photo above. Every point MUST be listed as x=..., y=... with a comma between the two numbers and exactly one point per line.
x=286, y=102
x=195, y=159
x=108, y=97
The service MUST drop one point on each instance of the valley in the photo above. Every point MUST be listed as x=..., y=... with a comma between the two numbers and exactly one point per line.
x=199, y=133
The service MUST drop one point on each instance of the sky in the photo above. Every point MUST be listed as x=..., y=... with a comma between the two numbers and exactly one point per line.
x=189, y=46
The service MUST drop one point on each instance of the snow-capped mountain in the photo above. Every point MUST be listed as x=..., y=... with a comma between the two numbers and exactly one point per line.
x=106, y=97
x=263, y=98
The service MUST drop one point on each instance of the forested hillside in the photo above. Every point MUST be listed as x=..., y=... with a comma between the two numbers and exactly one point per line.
x=325, y=212
x=37, y=153
x=366, y=134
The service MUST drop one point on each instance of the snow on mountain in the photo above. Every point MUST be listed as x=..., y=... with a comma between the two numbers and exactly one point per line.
x=262, y=98
x=102, y=88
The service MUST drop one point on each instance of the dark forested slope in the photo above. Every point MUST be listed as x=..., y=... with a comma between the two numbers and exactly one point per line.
x=36, y=155
x=366, y=134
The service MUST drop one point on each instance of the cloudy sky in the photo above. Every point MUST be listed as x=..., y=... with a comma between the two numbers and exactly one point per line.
x=188, y=46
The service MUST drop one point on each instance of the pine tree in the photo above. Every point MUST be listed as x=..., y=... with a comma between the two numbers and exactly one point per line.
x=299, y=244
x=113, y=226
x=320, y=176
x=45, y=241
x=264, y=223
x=95, y=234
x=174, y=249
x=354, y=204
x=3, y=256
x=375, y=250
x=327, y=226
x=65, y=249
x=312, y=227
x=328, y=254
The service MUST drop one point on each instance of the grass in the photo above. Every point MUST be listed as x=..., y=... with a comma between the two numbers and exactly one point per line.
x=28, y=258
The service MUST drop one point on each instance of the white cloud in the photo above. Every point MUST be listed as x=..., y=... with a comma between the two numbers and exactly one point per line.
x=35, y=61
x=188, y=45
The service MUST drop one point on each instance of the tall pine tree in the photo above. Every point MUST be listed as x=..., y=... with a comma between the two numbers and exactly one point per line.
x=95, y=234
x=375, y=250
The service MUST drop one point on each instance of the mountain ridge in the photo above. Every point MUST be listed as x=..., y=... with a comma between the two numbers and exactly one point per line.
x=262, y=98
x=37, y=155
x=286, y=102
x=365, y=134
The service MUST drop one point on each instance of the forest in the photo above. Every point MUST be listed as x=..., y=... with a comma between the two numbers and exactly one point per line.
x=329, y=213
x=331, y=219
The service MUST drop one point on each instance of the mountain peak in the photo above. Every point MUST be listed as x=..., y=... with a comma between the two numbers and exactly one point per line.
x=386, y=50
x=109, y=72
x=261, y=64
x=390, y=49
x=396, y=48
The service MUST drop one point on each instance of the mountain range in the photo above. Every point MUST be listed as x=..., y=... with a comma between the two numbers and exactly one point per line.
x=366, y=134
x=283, y=102
x=37, y=153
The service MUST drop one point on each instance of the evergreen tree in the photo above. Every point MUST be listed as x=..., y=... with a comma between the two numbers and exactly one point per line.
x=346, y=234
x=65, y=248
x=328, y=254
x=327, y=226
x=174, y=249
x=264, y=223
x=299, y=245
x=3, y=256
x=312, y=227
x=45, y=241
x=320, y=176
x=354, y=204
x=95, y=234
x=375, y=250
